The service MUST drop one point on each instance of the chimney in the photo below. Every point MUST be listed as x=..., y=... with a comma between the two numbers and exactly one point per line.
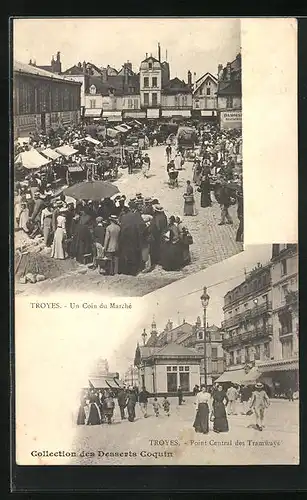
x=159, y=52
x=189, y=78
x=58, y=56
x=125, y=74
x=84, y=66
x=219, y=69
x=146, y=55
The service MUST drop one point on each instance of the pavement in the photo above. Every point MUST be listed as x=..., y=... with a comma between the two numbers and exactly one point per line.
x=212, y=243
x=172, y=440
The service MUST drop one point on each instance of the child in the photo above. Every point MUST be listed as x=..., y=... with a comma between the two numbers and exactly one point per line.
x=166, y=405
x=156, y=407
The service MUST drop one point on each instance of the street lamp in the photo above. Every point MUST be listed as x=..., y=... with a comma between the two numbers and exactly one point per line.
x=204, y=302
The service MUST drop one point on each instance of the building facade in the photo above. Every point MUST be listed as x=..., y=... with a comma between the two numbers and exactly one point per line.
x=229, y=94
x=176, y=99
x=248, y=329
x=282, y=370
x=43, y=100
x=205, y=97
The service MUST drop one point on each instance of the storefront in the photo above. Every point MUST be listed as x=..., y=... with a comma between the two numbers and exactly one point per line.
x=112, y=116
x=153, y=113
x=208, y=115
x=92, y=112
x=176, y=113
x=230, y=119
x=280, y=376
x=138, y=115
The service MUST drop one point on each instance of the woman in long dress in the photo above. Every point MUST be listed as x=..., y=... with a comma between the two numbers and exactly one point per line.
x=46, y=224
x=171, y=248
x=205, y=188
x=189, y=202
x=58, y=245
x=94, y=417
x=203, y=402
x=178, y=161
x=23, y=217
x=220, y=401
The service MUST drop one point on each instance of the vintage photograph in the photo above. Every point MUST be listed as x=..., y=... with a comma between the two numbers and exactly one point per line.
x=127, y=156
x=202, y=372
x=212, y=379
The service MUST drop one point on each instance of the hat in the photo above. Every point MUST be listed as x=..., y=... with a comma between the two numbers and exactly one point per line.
x=42, y=196
x=36, y=194
x=58, y=203
x=63, y=209
x=148, y=199
x=99, y=219
x=113, y=217
x=259, y=385
x=158, y=208
x=138, y=195
x=155, y=201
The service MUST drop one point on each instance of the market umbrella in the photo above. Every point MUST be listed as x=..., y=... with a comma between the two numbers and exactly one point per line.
x=95, y=190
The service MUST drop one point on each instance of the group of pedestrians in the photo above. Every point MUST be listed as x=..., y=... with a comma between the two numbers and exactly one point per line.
x=216, y=405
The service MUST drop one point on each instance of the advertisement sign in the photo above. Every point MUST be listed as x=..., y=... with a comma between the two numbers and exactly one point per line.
x=231, y=119
x=153, y=113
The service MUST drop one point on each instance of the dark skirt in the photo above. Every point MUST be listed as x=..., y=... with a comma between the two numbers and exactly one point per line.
x=94, y=418
x=220, y=423
x=171, y=256
x=205, y=200
x=201, y=422
x=81, y=416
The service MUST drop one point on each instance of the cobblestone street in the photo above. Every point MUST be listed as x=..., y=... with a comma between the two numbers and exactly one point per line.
x=212, y=243
x=276, y=444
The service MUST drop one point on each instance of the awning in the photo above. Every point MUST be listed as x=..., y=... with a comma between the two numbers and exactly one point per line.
x=235, y=376
x=66, y=150
x=93, y=141
x=208, y=112
x=176, y=112
x=121, y=128
x=50, y=153
x=253, y=375
x=102, y=383
x=112, y=116
x=31, y=159
x=135, y=114
x=153, y=113
x=93, y=112
x=279, y=365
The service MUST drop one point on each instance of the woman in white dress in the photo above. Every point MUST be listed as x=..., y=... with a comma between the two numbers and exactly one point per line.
x=204, y=407
x=58, y=245
x=178, y=160
x=24, y=217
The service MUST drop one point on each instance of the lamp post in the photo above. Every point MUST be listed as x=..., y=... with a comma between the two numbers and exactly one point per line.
x=204, y=302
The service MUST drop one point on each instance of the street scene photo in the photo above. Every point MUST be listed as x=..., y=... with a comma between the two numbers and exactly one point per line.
x=210, y=376
x=127, y=156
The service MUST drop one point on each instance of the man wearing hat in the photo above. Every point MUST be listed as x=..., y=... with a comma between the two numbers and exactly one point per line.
x=111, y=245
x=259, y=403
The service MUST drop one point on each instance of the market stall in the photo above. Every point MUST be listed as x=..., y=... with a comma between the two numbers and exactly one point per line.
x=50, y=153
x=31, y=159
x=66, y=150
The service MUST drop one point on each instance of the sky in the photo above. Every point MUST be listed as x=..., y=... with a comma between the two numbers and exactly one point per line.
x=197, y=44
x=181, y=299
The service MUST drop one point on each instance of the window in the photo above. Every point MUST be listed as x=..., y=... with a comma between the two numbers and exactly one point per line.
x=150, y=65
x=283, y=264
x=286, y=323
x=181, y=368
x=184, y=379
x=265, y=298
x=168, y=368
x=200, y=91
x=187, y=368
x=174, y=368
x=200, y=335
x=208, y=91
x=146, y=81
x=246, y=305
x=92, y=103
x=287, y=349
x=247, y=355
x=130, y=103
x=214, y=352
x=196, y=104
x=238, y=357
x=136, y=104
x=154, y=99
x=229, y=102
x=146, y=99
x=231, y=358
x=257, y=352
x=154, y=81
x=266, y=350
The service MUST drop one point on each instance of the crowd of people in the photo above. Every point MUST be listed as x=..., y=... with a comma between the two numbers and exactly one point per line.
x=114, y=235
x=213, y=404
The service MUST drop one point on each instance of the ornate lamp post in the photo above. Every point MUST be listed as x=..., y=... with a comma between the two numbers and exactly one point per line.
x=204, y=302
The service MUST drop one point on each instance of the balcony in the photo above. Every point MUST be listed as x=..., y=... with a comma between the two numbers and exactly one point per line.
x=248, y=336
x=248, y=314
x=284, y=332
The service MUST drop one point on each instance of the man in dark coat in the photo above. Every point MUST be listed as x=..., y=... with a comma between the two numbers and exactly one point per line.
x=225, y=202
x=122, y=402
x=157, y=228
x=130, y=242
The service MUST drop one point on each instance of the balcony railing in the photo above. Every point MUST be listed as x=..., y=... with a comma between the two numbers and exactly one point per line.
x=285, y=331
x=248, y=314
x=248, y=336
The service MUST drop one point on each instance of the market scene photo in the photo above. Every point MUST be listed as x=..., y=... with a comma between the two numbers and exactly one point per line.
x=126, y=163
x=221, y=370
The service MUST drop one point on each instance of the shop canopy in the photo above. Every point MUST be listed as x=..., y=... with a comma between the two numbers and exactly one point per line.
x=93, y=113
x=93, y=141
x=50, y=153
x=31, y=159
x=66, y=150
x=234, y=376
x=102, y=383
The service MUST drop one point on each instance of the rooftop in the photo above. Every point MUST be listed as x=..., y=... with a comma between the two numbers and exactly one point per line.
x=35, y=71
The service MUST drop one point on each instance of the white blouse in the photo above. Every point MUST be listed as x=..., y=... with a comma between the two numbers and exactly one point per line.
x=203, y=397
